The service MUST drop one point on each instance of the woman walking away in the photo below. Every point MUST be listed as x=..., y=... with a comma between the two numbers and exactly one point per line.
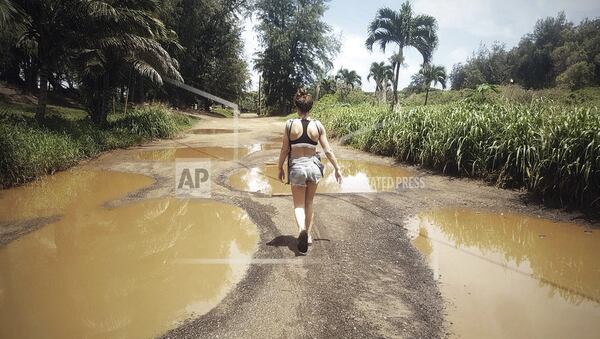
x=300, y=141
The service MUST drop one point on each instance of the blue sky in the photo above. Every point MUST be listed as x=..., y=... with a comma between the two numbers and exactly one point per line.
x=463, y=26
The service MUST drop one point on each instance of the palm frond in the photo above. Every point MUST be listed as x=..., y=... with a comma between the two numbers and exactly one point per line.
x=11, y=15
x=146, y=70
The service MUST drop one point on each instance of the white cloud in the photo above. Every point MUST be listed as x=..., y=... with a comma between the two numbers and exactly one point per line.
x=478, y=18
x=459, y=54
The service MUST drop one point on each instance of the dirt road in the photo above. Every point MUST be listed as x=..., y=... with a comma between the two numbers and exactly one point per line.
x=361, y=278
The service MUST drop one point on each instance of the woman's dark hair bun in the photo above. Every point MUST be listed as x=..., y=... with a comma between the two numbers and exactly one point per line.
x=302, y=92
x=303, y=100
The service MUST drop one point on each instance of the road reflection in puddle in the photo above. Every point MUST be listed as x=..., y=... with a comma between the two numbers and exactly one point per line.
x=510, y=275
x=359, y=177
x=218, y=131
x=202, y=152
x=217, y=153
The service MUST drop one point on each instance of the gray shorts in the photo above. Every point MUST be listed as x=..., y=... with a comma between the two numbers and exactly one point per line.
x=304, y=169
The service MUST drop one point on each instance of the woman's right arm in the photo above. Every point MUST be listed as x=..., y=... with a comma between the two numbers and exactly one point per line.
x=283, y=154
x=329, y=153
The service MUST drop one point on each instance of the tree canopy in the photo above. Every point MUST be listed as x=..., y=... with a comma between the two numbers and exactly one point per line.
x=297, y=48
x=556, y=53
x=404, y=29
x=98, y=50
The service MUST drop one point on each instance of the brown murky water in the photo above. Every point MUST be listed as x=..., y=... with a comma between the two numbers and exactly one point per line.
x=67, y=191
x=132, y=271
x=276, y=139
x=204, y=152
x=218, y=131
x=266, y=146
x=359, y=177
x=513, y=276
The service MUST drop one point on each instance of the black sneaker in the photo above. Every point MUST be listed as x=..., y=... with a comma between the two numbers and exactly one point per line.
x=303, y=242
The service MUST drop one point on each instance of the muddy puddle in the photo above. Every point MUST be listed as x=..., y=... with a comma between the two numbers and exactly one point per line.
x=264, y=146
x=512, y=276
x=217, y=131
x=205, y=152
x=276, y=139
x=359, y=177
x=133, y=270
x=67, y=192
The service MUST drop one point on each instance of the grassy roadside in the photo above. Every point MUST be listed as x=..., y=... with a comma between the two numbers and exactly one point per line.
x=589, y=96
x=29, y=149
x=550, y=149
x=224, y=112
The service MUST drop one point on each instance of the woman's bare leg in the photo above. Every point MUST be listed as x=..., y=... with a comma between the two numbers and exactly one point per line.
x=299, y=193
x=311, y=189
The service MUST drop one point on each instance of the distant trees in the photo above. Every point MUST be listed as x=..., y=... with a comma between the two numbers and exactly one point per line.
x=212, y=56
x=347, y=80
x=404, y=29
x=577, y=60
x=382, y=74
x=297, y=48
x=486, y=65
x=533, y=65
x=327, y=86
x=555, y=53
x=432, y=74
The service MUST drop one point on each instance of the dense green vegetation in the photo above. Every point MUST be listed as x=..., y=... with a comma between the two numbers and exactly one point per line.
x=105, y=56
x=589, y=96
x=297, y=48
x=551, y=149
x=29, y=149
x=556, y=53
x=99, y=52
x=212, y=55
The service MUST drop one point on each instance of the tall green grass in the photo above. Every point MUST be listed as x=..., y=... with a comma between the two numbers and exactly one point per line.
x=154, y=121
x=551, y=150
x=29, y=149
x=589, y=96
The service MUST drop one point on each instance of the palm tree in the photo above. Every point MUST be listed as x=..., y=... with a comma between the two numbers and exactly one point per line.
x=44, y=26
x=9, y=13
x=404, y=29
x=348, y=78
x=347, y=81
x=381, y=74
x=397, y=60
x=327, y=85
x=122, y=39
x=106, y=37
x=432, y=74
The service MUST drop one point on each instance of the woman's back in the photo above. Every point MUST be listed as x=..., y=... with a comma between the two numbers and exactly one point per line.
x=303, y=147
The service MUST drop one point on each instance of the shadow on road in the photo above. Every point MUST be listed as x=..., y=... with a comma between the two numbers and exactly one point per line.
x=290, y=242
